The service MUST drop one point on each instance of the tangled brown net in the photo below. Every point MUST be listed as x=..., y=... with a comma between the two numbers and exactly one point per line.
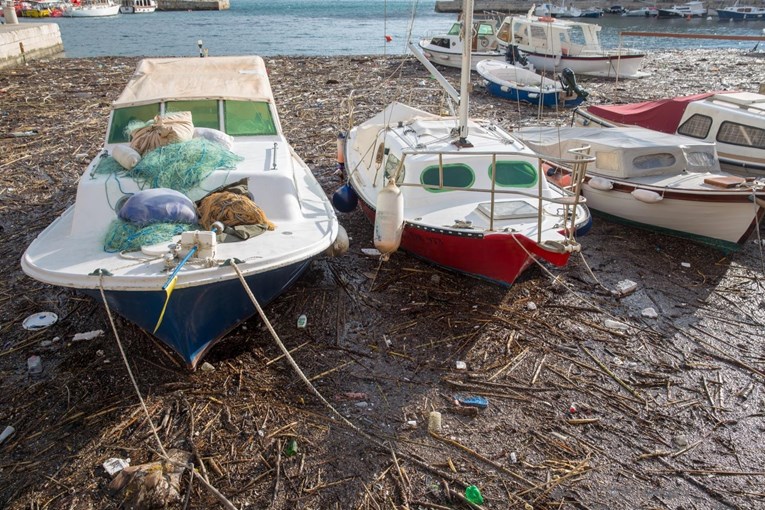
x=231, y=209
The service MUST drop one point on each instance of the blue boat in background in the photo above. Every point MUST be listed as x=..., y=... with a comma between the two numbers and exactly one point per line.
x=508, y=81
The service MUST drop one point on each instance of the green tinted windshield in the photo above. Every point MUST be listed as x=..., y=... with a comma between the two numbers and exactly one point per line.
x=204, y=113
x=248, y=118
x=123, y=116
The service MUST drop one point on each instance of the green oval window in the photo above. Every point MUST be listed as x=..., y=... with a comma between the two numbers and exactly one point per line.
x=516, y=174
x=456, y=175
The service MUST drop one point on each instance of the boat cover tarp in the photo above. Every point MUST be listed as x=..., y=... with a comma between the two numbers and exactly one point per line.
x=624, y=152
x=663, y=115
x=236, y=77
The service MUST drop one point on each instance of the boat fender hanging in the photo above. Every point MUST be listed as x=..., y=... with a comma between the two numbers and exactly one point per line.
x=600, y=183
x=389, y=219
x=568, y=82
x=340, y=244
x=644, y=195
x=345, y=199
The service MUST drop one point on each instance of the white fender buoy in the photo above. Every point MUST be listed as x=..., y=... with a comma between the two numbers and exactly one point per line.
x=600, y=183
x=389, y=219
x=341, y=244
x=644, y=195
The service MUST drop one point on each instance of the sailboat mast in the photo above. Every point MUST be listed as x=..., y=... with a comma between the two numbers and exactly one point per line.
x=467, y=47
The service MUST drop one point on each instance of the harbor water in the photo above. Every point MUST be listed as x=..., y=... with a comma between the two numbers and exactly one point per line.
x=339, y=27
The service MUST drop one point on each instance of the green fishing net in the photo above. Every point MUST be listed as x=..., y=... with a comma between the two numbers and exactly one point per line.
x=180, y=166
x=124, y=236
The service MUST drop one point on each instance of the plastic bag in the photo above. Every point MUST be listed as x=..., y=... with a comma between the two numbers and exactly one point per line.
x=160, y=205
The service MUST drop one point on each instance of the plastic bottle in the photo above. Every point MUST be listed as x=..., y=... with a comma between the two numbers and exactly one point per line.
x=434, y=422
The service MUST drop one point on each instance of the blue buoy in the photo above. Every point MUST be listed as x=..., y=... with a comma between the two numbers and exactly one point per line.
x=345, y=199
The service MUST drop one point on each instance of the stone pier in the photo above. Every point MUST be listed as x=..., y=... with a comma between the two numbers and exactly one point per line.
x=22, y=42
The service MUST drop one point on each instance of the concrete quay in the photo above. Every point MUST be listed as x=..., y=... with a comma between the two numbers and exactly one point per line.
x=22, y=42
x=193, y=5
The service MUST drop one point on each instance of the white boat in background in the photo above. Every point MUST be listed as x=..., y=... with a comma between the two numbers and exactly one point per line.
x=446, y=49
x=557, y=11
x=465, y=195
x=551, y=45
x=657, y=181
x=162, y=265
x=645, y=12
x=92, y=9
x=693, y=9
x=138, y=6
x=734, y=121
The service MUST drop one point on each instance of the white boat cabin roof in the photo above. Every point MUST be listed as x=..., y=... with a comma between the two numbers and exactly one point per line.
x=159, y=79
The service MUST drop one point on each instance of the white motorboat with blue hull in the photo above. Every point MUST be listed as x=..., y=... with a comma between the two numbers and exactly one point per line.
x=186, y=288
x=513, y=83
x=189, y=334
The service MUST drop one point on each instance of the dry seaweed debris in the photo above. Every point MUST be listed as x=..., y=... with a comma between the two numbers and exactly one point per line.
x=663, y=414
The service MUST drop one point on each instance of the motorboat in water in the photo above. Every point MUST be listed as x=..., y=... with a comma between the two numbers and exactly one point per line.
x=138, y=6
x=693, y=9
x=91, y=9
x=446, y=49
x=173, y=237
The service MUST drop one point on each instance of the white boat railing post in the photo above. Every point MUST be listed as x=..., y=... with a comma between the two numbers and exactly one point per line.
x=467, y=47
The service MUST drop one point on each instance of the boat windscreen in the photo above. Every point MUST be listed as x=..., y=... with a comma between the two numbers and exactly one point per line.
x=121, y=117
x=248, y=118
x=204, y=112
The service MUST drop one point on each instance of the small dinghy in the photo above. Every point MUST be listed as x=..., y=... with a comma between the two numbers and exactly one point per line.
x=508, y=81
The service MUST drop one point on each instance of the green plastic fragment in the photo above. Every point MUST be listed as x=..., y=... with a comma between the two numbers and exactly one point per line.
x=473, y=494
x=291, y=448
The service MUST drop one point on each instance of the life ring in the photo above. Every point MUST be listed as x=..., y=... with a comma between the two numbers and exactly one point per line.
x=546, y=18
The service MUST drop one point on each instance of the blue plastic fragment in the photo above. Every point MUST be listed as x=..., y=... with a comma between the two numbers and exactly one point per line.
x=472, y=401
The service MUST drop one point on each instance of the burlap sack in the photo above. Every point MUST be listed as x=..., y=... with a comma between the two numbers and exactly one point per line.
x=166, y=129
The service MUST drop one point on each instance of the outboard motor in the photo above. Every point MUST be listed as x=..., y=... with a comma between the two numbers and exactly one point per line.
x=568, y=81
x=515, y=56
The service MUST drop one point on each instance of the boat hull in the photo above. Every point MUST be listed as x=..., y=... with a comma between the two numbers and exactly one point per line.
x=719, y=219
x=499, y=257
x=531, y=95
x=197, y=317
x=453, y=59
x=608, y=66
x=92, y=12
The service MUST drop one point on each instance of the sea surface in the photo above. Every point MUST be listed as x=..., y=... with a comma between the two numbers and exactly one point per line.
x=332, y=27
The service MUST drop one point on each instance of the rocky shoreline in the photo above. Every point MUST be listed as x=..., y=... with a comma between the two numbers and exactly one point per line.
x=665, y=414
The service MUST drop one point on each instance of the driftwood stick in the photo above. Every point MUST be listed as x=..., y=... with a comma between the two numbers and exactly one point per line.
x=613, y=375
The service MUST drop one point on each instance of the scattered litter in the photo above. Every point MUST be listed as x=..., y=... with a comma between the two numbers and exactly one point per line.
x=115, y=465
x=153, y=485
x=531, y=306
x=411, y=424
x=351, y=395
x=100, y=353
x=291, y=448
x=362, y=405
x=625, y=287
x=434, y=422
x=473, y=494
x=46, y=343
x=680, y=441
x=387, y=341
x=7, y=432
x=460, y=365
x=34, y=364
x=371, y=252
x=39, y=321
x=572, y=408
x=650, y=313
x=612, y=324
x=618, y=361
x=90, y=335
x=513, y=458
x=472, y=401
x=302, y=321
x=206, y=367
x=685, y=264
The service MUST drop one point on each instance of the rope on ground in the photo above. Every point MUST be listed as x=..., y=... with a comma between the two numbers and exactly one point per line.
x=221, y=498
